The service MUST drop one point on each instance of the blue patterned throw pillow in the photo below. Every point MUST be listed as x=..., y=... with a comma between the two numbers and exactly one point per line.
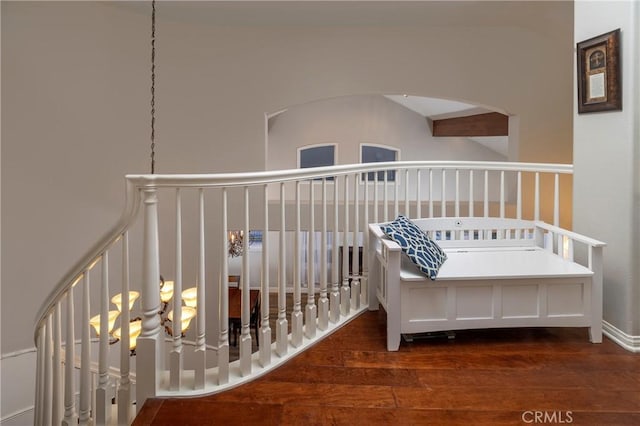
x=422, y=250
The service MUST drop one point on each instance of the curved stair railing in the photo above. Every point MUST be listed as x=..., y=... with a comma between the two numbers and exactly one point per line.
x=184, y=236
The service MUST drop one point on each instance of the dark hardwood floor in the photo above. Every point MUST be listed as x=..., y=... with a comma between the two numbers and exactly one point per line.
x=490, y=377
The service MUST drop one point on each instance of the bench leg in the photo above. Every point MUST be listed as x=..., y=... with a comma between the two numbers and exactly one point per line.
x=595, y=333
x=393, y=338
x=373, y=280
x=393, y=316
x=393, y=302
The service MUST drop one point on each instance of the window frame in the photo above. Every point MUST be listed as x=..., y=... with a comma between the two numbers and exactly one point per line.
x=382, y=146
x=300, y=149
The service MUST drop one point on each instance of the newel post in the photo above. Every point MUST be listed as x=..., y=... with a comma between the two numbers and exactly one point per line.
x=148, y=348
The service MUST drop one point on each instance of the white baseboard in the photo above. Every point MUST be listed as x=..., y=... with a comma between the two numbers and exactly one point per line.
x=19, y=418
x=627, y=341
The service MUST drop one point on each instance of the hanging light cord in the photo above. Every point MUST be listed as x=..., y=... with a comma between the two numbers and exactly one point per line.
x=153, y=85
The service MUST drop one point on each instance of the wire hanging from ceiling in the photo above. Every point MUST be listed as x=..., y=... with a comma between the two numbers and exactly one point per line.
x=153, y=85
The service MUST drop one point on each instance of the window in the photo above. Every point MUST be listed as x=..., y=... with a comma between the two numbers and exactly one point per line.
x=378, y=154
x=255, y=237
x=317, y=156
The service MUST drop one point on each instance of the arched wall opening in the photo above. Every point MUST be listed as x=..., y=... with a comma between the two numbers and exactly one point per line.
x=349, y=122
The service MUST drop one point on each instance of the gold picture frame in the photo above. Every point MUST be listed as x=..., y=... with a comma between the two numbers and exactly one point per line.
x=599, y=80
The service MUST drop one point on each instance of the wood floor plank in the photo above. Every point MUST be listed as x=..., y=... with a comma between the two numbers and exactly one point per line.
x=346, y=376
x=453, y=360
x=149, y=412
x=318, y=357
x=548, y=378
x=384, y=417
x=188, y=412
x=477, y=398
x=310, y=394
x=492, y=377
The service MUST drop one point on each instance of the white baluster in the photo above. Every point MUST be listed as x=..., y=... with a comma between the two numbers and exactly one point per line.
x=124, y=390
x=200, y=348
x=47, y=389
x=84, y=414
x=418, y=194
x=223, y=299
x=70, y=417
x=471, y=201
x=57, y=385
x=536, y=202
x=519, y=196
x=323, y=302
x=282, y=325
x=334, y=297
x=486, y=193
x=149, y=341
x=364, y=281
x=396, y=195
x=519, y=203
x=296, y=314
x=443, y=194
x=376, y=201
x=385, y=198
x=457, y=200
x=310, y=309
x=407, y=212
x=345, y=291
x=502, y=197
x=500, y=234
x=355, y=264
x=430, y=192
x=567, y=249
x=245, y=333
x=103, y=401
x=556, y=200
x=175, y=357
x=265, y=328
x=40, y=370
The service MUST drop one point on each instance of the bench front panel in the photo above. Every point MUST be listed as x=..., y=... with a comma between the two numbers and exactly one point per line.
x=458, y=305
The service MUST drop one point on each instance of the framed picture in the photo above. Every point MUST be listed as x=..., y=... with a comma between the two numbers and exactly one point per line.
x=599, y=80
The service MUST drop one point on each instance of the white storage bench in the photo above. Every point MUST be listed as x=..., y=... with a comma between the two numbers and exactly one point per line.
x=499, y=273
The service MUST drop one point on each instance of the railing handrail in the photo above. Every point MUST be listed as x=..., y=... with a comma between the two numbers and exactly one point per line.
x=257, y=178
x=132, y=203
x=135, y=182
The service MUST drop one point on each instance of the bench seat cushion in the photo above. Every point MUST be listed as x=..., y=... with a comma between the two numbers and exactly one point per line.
x=498, y=263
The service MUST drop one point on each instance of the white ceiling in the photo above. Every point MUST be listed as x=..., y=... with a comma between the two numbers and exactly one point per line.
x=434, y=108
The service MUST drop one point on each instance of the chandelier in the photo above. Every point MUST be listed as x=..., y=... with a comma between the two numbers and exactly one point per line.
x=235, y=240
x=135, y=324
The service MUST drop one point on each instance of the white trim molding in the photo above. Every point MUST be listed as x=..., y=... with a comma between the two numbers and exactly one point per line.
x=16, y=372
x=627, y=341
x=22, y=416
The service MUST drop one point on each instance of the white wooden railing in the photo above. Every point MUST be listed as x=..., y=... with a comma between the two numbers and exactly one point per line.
x=183, y=236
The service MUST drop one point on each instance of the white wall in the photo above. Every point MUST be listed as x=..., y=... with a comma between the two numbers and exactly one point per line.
x=75, y=105
x=606, y=156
